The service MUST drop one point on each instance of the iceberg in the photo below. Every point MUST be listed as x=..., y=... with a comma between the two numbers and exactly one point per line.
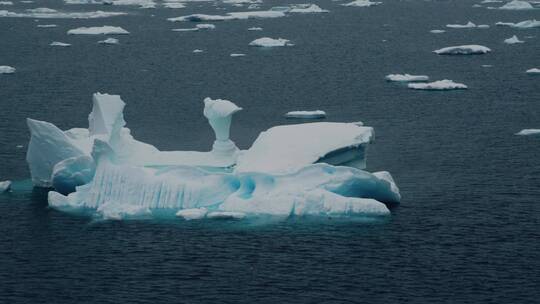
x=58, y=43
x=406, y=77
x=47, y=13
x=5, y=186
x=6, y=69
x=98, y=30
x=237, y=55
x=517, y=5
x=472, y=49
x=192, y=214
x=513, y=40
x=362, y=3
x=109, y=41
x=307, y=8
x=459, y=26
x=521, y=25
x=437, y=31
x=270, y=42
x=174, y=5
x=306, y=114
x=229, y=16
x=533, y=71
x=46, y=25
x=437, y=85
x=198, y=51
x=526, y=132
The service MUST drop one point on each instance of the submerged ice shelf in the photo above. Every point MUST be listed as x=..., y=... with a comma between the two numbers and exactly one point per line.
x=302, y=169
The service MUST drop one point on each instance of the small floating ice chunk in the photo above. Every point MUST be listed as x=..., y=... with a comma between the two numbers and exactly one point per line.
x=5, y=186
x=472, y=49
x=533, y=71
x=306, y=114
x=513, y=40
x=229, y=16
x=6, y=3
x=270, y=42
x=109, y=41
x=458, y=26
x=521, y=25
x=47, y=13
x=517, y=5
x=482, y=26
x=174, y=5
x=58, y=43
x=487, y=65
x=406, y=77
x=192, y=214
x=6, y=69
x=205, y=26
x=237, y=55
x=362, y=3
x=225, y=215
x=525, y=132
x=437, y=85
x=255, y=28
x=47, y=25
x=118, y=211
x=437, y=31
x=197, y=51
x=307, y=8
x=98, y=30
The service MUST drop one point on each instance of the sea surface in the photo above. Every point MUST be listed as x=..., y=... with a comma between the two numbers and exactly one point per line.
x=468, y=227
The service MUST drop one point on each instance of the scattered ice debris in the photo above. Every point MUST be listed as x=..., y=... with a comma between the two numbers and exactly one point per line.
x=6, y=69
x=115, y=211
x=472, y=49
x=174, y=5
x=98, y=30
x=225, y=215
x=517, y=5
x=437, y=85
x=198, y=51
x=58, y=43
x=528, y=132
x=458, y=26
x=307, y=8
x=47, y=25
x=406, y=77
x=513, y=40
x=192, y=214
x=237, y=55
x=437, y=31
x=5, y=186
x=521, y=25
x=306, y=114
x=533, y=71
x=6, y=3
x=45, y=13
x=270, y=42
x=230, y=16
x=109, y=41
x=255, y=29
x=362, y=3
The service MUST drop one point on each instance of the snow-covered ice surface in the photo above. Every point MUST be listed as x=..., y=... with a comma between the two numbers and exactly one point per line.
x=440, y=85
x=472, y=49
x=513, y=40
x=517, y=5
x=270, y=42
x=533, y=71
x=192, y=214
x=109, y=41
x=58, y=43
x=306, y=114
x=406, y=77
x=526, y=132
x=521, y=25
x=98, y=30
x=6, y=69
x=47, y=13
x=5, y=186
x=362, y=3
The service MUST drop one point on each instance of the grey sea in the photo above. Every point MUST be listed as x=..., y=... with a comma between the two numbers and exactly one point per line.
x=467, y=229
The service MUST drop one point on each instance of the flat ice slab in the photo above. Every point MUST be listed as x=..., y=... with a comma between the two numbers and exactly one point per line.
x=362, y=3
x=533, y=71
x=406, y=77
x=6, y=69
x=285, y=149
x=472, y=49
x=270, y=42
x=230, y=16
x=460, y=26
x=58, y=43
x=47, y=13
x=98, y=30
x=306, y=114
x=529, y=132
x=521, y=25
x=437, y=85
x=517, y=5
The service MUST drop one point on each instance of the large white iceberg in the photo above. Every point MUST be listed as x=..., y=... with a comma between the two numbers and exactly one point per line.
x=471, y=49
x=98, y=30
x=440, y=85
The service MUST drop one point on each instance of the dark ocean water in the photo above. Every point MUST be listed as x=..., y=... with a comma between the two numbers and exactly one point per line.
x=468, y=227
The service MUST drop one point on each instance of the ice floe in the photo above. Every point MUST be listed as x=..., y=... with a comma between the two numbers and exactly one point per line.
x=255, y=29
x=5, y=186
x=533, y=71
x=270, y=42
x=58, y=43
x=472, y=49
x=6, y=3
x=306, y=114
x=192, y=214
x=362, y=3
x=307, y=8
x=513, y=40
x=525, y=132
x=237, y=55
x=521, y=25
x=6, y=69
x=47, y=13
x=201, y=26
x=109, y=41
x=98, y=30
x=47, y=25
x=517, y=5
x=437, y=31
x=440, y=85
x=458, y=26
x=406, y=77
x=229, y=16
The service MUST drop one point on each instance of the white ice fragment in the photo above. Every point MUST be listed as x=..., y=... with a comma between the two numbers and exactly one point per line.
x=46, y=25
x=109, y=41
x=437, y=31
x=521, y=25
x=406, y=77
x=533, y=71
x=98, y=30
x=270, y=42
x=459, y=26
x=58, y=43
x=463, y=50
x=174, y=5
x=513, y=40
x=6, y=69
x=119, y=211
x=306, y=114
x=197, y=51
x=482, y=26
x=362, y=3
x=47, y=13
x=229, y=16
x=525, y=132
x=255, y=28
x=205, y=26
x=517, y=5
x=237, y=55
x=6, y=3
x=307, y=8
x=192, y=214
x=437, y=85
x=5, y=186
